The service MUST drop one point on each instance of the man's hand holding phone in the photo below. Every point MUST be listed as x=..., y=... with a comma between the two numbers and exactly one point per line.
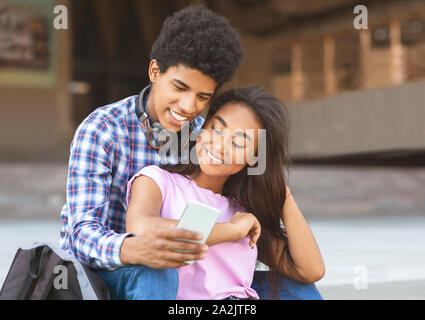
x=198, y=217
x=155, y=245
x=164, y=243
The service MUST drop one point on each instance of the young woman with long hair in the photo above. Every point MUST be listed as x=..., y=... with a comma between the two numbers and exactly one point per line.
x=258, y=211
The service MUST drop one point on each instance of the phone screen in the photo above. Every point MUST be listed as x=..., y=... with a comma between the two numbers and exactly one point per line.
x=198, y=217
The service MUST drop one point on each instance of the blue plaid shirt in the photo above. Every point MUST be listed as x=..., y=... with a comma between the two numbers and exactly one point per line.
x=108, y=148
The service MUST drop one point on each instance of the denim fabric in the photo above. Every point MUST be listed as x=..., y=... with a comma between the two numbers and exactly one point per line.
x=286, y=289
x=138, y=282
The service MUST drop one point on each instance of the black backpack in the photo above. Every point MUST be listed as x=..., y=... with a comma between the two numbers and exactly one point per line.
x=45, y=272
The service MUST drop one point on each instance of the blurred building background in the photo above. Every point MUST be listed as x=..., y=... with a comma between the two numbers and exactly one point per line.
x=356, y=96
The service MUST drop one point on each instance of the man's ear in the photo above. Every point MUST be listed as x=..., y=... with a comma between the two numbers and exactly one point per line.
x=153, y=70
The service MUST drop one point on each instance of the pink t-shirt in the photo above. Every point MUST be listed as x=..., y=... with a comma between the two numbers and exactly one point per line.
x=228, y=267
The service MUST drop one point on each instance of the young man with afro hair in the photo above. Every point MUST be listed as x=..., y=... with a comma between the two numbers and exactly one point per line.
x=196, y=52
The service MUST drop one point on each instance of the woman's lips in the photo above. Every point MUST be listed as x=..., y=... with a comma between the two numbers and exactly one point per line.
x=213, y=158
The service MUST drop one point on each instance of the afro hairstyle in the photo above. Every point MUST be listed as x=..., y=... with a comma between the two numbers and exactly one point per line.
x=199, y=38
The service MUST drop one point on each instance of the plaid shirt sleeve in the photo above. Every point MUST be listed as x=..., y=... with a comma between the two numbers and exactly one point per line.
x=88, y=195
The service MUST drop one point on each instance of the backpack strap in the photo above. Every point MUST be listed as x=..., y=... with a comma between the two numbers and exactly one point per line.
x=44, y=284
x=26, y=281
x=36, y=265
x=38, y=261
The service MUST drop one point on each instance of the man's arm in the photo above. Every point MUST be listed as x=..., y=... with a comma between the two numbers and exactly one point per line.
x=88, y=195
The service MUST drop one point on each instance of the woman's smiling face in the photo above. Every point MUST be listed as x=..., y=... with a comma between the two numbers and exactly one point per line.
x=228, y=141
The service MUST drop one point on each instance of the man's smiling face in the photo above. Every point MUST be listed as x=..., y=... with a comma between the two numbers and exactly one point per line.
x=178, y=95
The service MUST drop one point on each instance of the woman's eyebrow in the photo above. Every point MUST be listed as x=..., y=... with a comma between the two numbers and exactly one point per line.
x=221, y=120
x=237, y=133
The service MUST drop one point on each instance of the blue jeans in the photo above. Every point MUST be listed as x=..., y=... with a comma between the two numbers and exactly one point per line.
x=283, y=288
x=138, y=282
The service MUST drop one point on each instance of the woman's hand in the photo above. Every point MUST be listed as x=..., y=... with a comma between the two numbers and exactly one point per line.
x=246, y=224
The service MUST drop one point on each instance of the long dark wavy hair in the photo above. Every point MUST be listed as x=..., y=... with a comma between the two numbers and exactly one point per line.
x=262, y=195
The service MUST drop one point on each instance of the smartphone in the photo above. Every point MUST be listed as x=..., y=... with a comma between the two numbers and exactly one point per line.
x=198, y=217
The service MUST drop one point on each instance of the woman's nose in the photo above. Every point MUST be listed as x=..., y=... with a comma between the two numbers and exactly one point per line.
x=220, y=144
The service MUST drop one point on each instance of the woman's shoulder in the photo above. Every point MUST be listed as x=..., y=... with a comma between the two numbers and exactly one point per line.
x=155, y=171
x=153, y=168
x=163, y=179
x=163, y=173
